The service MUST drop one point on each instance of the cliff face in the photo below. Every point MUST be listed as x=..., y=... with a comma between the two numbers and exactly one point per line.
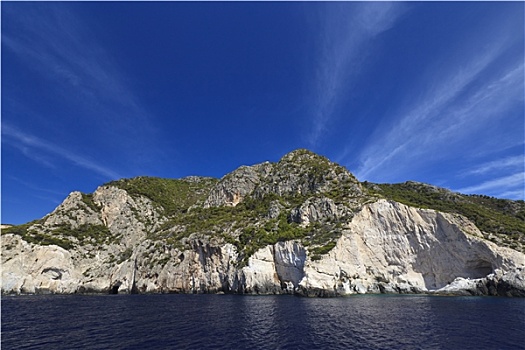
x=389, y=247
x=301, y=226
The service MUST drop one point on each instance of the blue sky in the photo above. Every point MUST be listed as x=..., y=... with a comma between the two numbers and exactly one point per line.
x=96, y=91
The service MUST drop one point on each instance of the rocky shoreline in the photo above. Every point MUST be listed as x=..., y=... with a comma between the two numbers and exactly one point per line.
x=368, y=258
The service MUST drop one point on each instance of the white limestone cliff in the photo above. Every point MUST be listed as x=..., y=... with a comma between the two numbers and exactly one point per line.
x=386, y=247
x=37, y=269
x=390, y=247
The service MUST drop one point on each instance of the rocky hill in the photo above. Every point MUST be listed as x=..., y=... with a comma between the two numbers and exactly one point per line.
x=303, y=225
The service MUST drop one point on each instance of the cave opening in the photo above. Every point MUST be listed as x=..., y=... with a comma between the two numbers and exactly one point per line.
x=114, y=289
x=479, y=268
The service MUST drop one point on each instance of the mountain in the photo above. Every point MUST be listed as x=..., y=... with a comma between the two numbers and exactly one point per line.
x=303, y=225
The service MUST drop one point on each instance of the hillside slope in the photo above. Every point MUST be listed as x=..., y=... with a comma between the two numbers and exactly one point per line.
x=303, y=225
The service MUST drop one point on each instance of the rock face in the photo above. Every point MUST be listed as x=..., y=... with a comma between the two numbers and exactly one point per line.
x=317, y=209
x=316, y=233
x=37, y=269
x=237, y=185
x=389, y=247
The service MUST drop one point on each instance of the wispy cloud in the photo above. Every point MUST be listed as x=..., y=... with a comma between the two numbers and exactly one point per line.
x=453, y=111
x=36, y=188
x=500, y=187
x=341, y=57
x=516, y=162
x=33, y=146
x=506, y=178
x=514, y=194
x=55, y=42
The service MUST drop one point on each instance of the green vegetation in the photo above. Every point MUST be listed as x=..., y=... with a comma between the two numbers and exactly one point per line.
x=277, y=230
x=317, y=168
x=315, y=165
x=317, y=252
x=251, y=224
x=97, y=234
x=501, y=217
x=61, y=235
x=248, y=227
x=174, y=196
x=44, y=239
x=88, y=200
x=322, y=237
x=20, y=230
x=214, y=221
x=35, y=237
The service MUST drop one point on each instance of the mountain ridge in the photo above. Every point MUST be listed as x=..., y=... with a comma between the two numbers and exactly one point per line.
x=165, y=231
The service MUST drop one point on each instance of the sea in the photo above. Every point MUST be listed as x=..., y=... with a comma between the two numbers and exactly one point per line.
x=204, y=321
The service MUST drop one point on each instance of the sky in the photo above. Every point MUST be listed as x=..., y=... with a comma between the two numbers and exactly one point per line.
x=97, y=91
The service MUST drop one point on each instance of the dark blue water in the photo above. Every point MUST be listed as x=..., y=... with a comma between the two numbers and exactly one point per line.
x=261, y=322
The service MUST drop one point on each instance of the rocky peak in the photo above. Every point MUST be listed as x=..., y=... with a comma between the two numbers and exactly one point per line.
x=238, y=184
x=305, y=173
x=301, y=154
x=122, y=213
x=76, y=210
x=298, y=173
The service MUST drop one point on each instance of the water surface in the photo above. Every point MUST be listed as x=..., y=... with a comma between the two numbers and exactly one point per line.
x=261, y=322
